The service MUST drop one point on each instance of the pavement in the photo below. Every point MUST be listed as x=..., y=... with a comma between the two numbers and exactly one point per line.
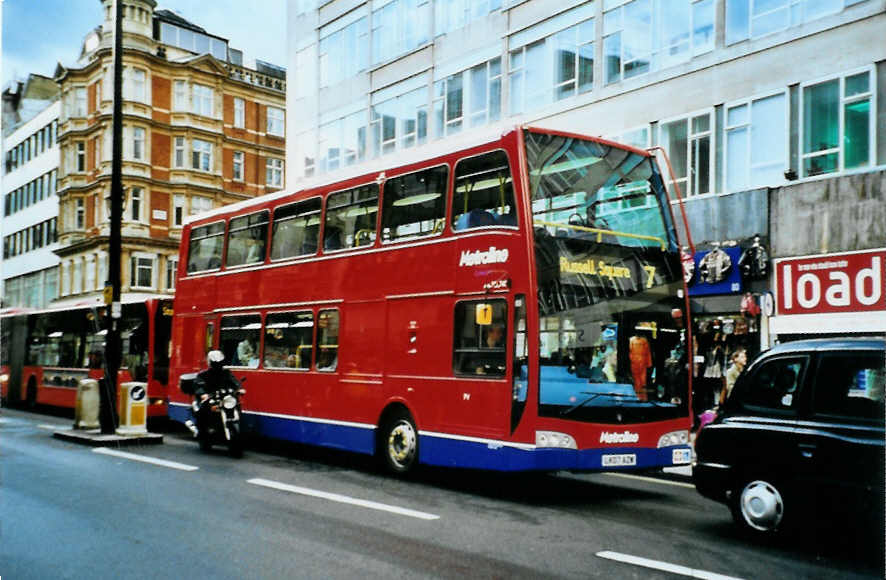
x=95, y=438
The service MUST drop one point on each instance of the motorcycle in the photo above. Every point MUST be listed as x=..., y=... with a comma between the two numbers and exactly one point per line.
x=218, y=420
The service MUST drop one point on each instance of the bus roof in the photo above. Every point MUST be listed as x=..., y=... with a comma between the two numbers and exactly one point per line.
x=431, y=150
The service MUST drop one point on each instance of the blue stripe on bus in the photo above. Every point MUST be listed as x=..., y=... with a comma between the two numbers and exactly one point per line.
x=446, y=451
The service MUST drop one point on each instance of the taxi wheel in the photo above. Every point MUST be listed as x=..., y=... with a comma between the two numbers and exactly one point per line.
x=398, y=443
x=758, y=506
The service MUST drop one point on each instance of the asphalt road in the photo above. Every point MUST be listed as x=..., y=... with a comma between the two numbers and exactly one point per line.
x=71, y=511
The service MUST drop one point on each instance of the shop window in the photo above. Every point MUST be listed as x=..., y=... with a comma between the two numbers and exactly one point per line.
x=484, y=192
x=239, y=339
x=327, y=340
x=415, y=204
x=479, y=340
x=247, y=237
x=205, y=247
x=288, y=340
x=296, y=229
x=351, y=218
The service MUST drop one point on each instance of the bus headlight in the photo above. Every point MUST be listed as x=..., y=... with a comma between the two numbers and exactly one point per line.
x=674, y=438
x=554, y=439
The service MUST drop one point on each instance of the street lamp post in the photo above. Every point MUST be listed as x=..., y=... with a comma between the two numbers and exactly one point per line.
x=107, y=416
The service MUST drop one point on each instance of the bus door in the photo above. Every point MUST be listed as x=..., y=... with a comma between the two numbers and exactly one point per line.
x=14, y=341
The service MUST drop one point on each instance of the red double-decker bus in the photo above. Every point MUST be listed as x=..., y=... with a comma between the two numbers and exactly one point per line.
x=514, y=304
x=45, y=353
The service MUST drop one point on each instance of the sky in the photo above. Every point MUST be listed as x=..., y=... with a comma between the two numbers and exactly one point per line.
x=37, y=34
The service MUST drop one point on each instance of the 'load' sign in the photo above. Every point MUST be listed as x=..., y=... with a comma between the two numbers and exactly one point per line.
x=848, y=282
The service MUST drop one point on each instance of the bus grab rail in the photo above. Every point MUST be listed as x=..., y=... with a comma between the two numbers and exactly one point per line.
x=600, y=232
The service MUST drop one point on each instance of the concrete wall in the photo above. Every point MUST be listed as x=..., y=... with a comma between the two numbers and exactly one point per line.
x=829, y=215
x=735, y=216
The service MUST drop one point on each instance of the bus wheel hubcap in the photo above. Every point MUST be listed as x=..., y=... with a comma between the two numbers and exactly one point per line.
x=401, y=443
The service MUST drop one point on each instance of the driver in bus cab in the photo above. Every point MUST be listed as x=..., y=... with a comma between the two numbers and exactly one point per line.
x=492, y=363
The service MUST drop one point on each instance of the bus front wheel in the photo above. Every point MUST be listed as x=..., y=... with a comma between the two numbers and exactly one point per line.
x=398, y=443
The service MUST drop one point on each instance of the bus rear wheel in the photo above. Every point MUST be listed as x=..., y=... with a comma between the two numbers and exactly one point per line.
x=398, y=443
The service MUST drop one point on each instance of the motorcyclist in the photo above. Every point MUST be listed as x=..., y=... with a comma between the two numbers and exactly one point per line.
x=208, y=381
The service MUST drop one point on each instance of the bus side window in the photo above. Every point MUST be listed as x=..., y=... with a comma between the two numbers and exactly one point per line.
x=239, y=340
x=205, y=247
x=479, y=343
x=246, y=239
x=484, y=192
x=415, y=204
x=327, y=340
x=288, y=339
x=351, y=218
x=296, y=229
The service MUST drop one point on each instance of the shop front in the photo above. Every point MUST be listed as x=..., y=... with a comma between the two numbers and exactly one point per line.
x=829, y=295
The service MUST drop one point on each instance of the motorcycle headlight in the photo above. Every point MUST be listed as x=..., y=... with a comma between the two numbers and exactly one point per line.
x=674, y=438
x=4, y=378
x=229, y=402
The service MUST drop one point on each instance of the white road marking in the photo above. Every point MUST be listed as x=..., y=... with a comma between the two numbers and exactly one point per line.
x=652, y=479
x=145, y=459
x=343, y=499
x=664, y=566
x=50, y=427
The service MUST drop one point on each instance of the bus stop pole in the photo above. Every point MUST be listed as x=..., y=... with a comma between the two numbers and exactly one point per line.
x=107, y=416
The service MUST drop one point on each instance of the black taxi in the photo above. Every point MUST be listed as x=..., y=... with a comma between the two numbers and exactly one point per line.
x=801, y=434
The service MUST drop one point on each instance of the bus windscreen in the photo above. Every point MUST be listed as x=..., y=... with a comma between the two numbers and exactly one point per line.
x=611, y=341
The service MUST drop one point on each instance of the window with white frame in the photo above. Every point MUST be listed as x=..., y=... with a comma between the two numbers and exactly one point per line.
x=77, y=276
x=308, y=149
x=90, y=274
x=342, y=142
x=239, y=113
x=644, y=35
x=64, y=279
x=552, y=60
x=178, y=210
x=276, y=124
x=237, y=166
x=171, y=270
x=688, y=142
x=398, y=27
x=469, y=98
x=136, y=204
x=178, y=147
x=837, y=126
x=135, y=85
x=754, y=18
x=200, y=204
x=274, y=173
x=80, y=156
x=201, y=155
x=638, y=137
x=343, y=48
x=399, y=122
x=756, y=142
x=138, y=143
x=80, y=109
x=80, y=213
x=202, y=98
x=141, y=270
x=179, y=95
x=454, y=14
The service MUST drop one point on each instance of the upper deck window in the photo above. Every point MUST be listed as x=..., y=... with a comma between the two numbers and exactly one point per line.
x=247, y=238
x=484, y=192
x=205, y=247
x=296, y=229
x=415, y=204
x=351, y=218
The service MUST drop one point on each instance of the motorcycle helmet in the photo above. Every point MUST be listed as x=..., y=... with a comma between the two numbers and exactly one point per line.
x=215, y=358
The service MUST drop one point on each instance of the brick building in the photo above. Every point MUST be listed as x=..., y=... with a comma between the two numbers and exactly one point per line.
x=200, y=130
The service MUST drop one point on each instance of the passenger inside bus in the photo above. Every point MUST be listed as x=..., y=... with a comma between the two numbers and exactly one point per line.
x=332, y=239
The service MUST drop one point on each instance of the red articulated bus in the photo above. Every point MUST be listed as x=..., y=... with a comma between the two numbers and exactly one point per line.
x=517, y=303
x=45, y=353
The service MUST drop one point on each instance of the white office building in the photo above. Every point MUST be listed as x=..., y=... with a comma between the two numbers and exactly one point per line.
x=30, y=211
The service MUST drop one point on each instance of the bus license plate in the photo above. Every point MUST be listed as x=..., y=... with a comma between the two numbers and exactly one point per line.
x=682, y=456
x=619, y=460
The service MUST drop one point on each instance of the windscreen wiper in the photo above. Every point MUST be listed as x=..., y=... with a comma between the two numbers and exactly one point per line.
x=589, y=399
